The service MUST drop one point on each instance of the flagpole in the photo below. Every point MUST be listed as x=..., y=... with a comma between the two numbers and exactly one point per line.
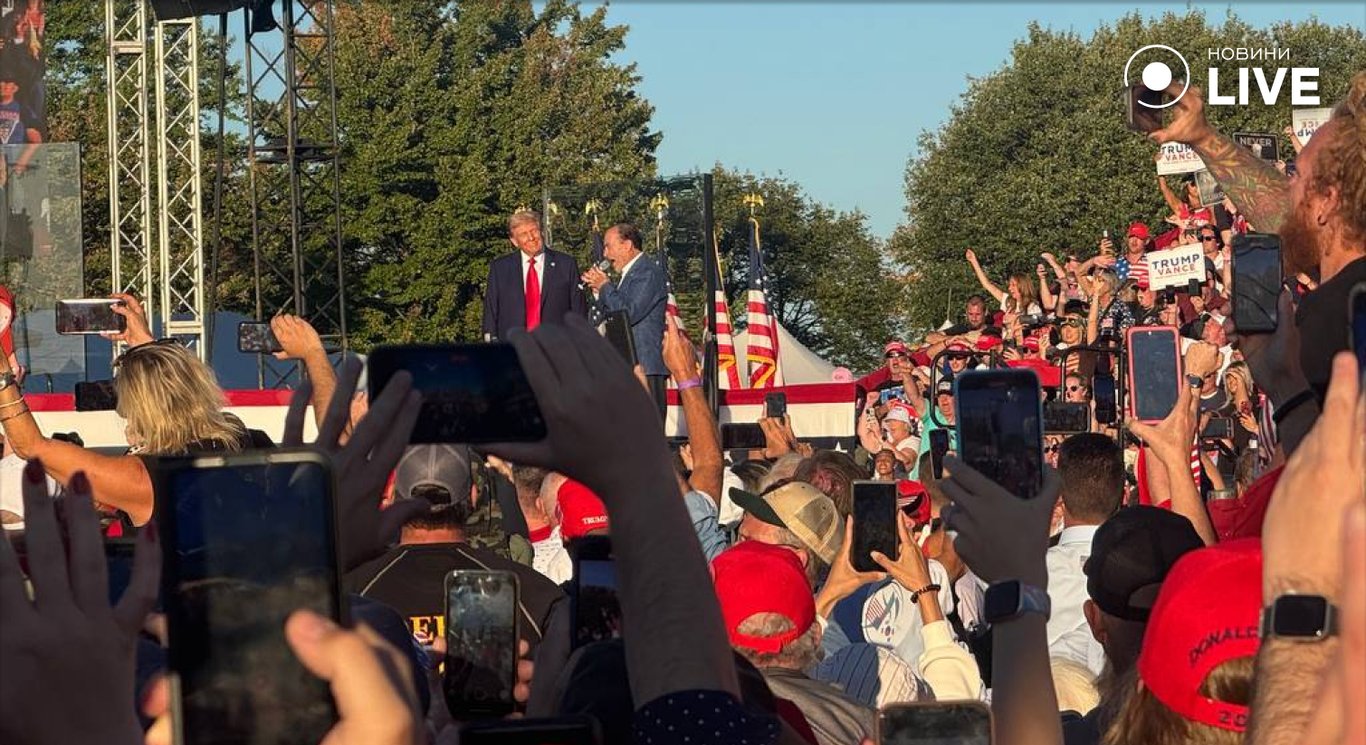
x=711, y=274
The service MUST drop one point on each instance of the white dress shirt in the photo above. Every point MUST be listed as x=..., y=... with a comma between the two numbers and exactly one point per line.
x=540, y=269
x=1068, y=633
x=551, y=558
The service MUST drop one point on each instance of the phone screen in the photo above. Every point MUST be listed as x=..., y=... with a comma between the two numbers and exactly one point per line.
x=481, y=642
x=247, y=540
x=89, y=316
x=1256, y=282
x=742, y=436
x=1359, y=326
x=1065, y=417
x=934, y=723
x=874, y=523
x=256, y=337
x=1143, y=118
x=775, y=405
x=597, y=612
x=1104, y=397
x=1000, y=427
x=470, y=392
x=578, y=729
x=1218, y=428
x=617, y=328
x=1154, y=372
x=939, y=447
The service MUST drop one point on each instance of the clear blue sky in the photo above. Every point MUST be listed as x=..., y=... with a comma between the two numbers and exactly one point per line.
x=834, y=95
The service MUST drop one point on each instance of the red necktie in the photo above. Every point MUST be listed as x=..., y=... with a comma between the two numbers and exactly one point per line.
x=533, y=296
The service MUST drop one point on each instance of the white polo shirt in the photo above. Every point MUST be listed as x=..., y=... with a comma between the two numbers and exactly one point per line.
x=1068, y=633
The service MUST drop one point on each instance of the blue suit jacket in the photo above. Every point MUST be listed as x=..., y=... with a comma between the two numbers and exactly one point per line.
x=642, y=293
x=505, y=298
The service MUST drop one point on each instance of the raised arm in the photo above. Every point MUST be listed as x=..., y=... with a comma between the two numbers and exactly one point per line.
x=992, y=289
x=1173, y=203
x=704, y=438
x=1047, y=300
x=1169, y=442
x=300, y=341
x=1259, y=190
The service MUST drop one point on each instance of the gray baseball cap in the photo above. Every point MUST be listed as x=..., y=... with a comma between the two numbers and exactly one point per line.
x=444, y=466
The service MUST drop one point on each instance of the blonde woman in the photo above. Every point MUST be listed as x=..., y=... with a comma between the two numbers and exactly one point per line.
x=172, y=405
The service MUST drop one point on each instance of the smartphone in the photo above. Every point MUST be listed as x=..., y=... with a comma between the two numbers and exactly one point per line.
x=617, y=329
x=480, y=667
x=775, y=405
x=935, y=723
x=1066, y=417
x=1140, y=117
x=471, y=393
x=895, y=393
x=939, y=447
x=247, y=539
x=874, y=523
x=999, y=415
x=1257, y=281
x=1104, y=397
x=1218, y=428
x=256, y=337
x=96, y=395
x=1358, y=326
x=89, y=316
x=1154, y=371
x=578, y=729
x=742, y=437
x=593, y=591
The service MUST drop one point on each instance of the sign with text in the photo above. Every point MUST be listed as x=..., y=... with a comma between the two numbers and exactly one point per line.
x=1307, y=121
x=1262, y=144
x=1176, y=157
x=1211, y=193
x=1175, y=267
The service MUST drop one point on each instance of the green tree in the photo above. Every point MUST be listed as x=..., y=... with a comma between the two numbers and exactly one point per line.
x=1036, y=156
x=828, y=284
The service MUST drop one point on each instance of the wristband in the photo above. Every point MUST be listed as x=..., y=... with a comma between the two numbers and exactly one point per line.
x=15, y=402
x=15, y=415
x=684, y=385
x=1292, y=403
x=932, y=587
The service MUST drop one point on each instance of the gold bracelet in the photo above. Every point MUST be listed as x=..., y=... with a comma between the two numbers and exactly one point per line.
x=15, y=402
x=15, y=415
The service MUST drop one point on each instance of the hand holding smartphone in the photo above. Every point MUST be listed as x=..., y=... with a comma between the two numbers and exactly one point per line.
x=256, y=337
x=775, y=405
x=89, y=316
x=593, y=591
x=1154, y=371
x=939, y=447
x=1257, y=279
x=471, y=393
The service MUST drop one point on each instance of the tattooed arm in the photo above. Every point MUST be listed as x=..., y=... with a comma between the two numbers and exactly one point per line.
x=1259, y=190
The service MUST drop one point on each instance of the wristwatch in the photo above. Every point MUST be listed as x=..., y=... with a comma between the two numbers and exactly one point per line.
x=1012, y=598
x=6, y=379
x=1308, y=618
x=1195, y=381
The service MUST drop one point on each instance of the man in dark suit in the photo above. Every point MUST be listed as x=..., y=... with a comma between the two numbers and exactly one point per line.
x=535, y=285
x=642, y=292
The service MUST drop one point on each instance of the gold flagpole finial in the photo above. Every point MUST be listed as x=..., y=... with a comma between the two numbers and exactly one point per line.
x=660, y=205
x=591, y=209
x=754, y=202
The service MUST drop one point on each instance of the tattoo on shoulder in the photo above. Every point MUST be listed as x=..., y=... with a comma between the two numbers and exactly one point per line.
x=1261, y=192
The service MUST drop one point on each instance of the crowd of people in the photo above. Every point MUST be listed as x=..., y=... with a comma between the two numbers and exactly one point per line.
x=1186, y=581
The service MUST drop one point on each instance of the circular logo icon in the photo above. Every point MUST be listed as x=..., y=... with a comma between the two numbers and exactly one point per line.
x=1156, y=72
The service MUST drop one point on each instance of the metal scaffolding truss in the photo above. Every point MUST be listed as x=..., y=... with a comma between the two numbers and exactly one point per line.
x=294, y=175
x=166, y=275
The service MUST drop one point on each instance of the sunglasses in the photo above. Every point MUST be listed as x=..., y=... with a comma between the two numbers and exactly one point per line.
x=896, y=356
x=1052, y=448
x=1075, y=388
x=168, y=341
x=1206, y=238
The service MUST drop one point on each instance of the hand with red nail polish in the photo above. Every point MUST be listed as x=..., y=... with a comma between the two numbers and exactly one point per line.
x=67, y=644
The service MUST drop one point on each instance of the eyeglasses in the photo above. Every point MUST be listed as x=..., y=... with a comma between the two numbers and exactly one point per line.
x=895, y=356
x=1052, y=448
x=168, y=341
x=1075, y=388
x=1207, y=238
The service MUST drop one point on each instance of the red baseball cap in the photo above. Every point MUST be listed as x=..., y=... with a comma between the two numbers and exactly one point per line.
x=580, y=510
x=753, y=577
x=1031, y=343
x=987, y=343
x=894, y=346
x=1206, y=614
x=913, y=494
x=958, y=346
x=1138, y=230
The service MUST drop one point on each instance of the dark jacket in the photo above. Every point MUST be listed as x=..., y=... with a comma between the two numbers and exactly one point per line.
x=505, y=298
x=642, y=293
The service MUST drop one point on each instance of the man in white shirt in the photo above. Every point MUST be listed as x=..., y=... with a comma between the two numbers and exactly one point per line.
x=549, y=556
x=1091, y=466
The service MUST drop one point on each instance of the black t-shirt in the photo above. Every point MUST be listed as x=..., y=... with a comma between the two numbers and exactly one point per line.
x=412, y=579
x=1323, y=323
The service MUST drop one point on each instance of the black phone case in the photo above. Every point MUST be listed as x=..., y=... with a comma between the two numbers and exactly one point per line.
x=874, y=525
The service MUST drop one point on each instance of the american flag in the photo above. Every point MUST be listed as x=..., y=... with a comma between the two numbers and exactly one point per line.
x=763, y=328
x=729, y=371
x=670, y=303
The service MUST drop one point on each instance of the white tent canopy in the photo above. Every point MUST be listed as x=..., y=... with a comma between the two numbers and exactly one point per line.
x=799, y=364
